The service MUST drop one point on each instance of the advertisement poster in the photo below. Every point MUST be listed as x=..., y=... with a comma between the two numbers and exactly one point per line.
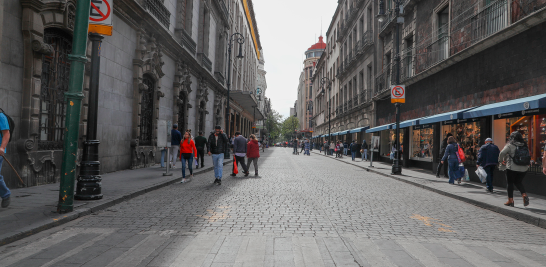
x=375, y=143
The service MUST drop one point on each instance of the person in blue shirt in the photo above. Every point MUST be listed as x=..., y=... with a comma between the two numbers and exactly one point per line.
x=4, y=139
x=176, y=138
x=450, y=157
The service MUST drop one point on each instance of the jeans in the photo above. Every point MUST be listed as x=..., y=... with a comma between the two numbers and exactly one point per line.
x=345, y=151
x=255, y=160
x=453, y=167
x=365, y=154
x=4, y=190
x=174, y=154
x=515, y=178
x=190, y=166
x=163, y=152
x=307, y=152
x=353, y=154
x=242, y=161
x=218, y=163
x=331, y=152
x=489, y=181
x=201, y=155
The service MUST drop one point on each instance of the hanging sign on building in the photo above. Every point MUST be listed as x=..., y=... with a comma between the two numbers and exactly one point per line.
x=398, y=94
x=100, y=17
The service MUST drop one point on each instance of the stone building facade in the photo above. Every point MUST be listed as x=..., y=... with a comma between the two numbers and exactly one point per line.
x=166, y=61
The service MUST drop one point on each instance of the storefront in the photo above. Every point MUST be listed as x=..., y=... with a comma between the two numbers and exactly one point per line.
x=381, y=146
x=422, y=143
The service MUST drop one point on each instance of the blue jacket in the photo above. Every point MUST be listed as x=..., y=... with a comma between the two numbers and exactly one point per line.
x=450, y=153
x=176, y=137
x=488, y=155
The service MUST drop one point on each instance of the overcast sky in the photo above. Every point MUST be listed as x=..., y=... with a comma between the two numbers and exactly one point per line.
x=287, y=29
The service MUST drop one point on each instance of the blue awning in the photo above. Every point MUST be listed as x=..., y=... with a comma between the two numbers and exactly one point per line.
x=358, y=130
x=522, y=106
x=379, y=128
x=452, y=115
x=407, y=123
x=343, y=132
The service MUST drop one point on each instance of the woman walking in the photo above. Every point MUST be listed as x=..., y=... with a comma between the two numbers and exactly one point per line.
x=187, y=152
x=515, y=160
x=452, y=157
x=253, y=153
x=307, y=148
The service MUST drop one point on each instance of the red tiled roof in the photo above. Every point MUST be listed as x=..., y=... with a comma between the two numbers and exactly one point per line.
x=320, y=45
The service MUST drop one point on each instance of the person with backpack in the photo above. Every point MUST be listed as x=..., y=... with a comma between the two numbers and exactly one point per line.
x=443, y=147
x=515, y=159
x=488, y=158
x=364, y=150
x=6, y=128
x=451, y=157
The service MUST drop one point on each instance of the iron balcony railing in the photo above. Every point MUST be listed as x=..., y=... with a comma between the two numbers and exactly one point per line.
x=432, y=54
x=159, y=11
x=350, y=104
x=491, y=19
x=389, y=17
x=383, y=80
x=355, y=100
x=345, y=107
x=524, y=8
x=407, y=71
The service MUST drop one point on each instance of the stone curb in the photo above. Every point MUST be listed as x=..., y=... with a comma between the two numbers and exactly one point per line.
x=39, y=227
x=530, y=219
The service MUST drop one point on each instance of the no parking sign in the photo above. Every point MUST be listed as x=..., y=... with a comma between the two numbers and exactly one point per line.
x=398, y=94
x=100, y=17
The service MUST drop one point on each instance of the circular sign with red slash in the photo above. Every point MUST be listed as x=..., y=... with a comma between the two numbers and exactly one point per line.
x=101, y=11
x=398, y=92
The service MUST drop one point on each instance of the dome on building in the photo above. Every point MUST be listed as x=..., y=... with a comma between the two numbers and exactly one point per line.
x=320, y=45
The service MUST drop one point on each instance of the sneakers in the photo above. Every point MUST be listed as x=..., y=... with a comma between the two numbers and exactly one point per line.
x=218, y=181
x=246, y=174
x=233, y=174
x=184, y=180
x=6, y=202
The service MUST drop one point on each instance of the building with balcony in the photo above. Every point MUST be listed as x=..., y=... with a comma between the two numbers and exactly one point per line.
x=165, y=61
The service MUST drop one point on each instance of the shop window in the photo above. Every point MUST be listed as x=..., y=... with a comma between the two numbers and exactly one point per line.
x=468, y=137
x=422, y=143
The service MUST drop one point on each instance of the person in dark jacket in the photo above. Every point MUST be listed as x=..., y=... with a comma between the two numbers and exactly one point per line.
x=488, y=158
x=216, y=146
x=354, y=148
x=239, y=150
x=176, y=138
x=201, y=144
x=442, y=152
x=452, y=160
x=364, y=148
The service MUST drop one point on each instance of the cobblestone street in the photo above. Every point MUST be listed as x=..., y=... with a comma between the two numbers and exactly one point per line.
x=300, y=211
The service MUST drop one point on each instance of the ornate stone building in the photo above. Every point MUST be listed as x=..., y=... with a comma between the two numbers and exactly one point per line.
x=166, y=61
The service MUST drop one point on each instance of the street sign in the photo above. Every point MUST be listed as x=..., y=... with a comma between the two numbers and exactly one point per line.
x=100, y=17
x=398, y=94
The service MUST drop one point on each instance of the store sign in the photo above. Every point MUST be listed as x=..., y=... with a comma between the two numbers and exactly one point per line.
x=419, y=127
x=100, y=17
x=521, y=113
x=450, y=122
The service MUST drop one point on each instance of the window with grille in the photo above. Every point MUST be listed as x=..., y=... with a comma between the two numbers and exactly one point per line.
x=54, y=83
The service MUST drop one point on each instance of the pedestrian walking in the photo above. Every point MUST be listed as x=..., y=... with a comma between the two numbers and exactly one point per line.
x=488, y=158
x=302, y=145
x=515, y=158
x=176, y=138
x=307, y=147
x=263, y=145
x=295, y=146
x=253, y=153
x=5, y=135
x=332, y=148
x=345, y=148
x=187, y=152
x=339, y=149
x=451, y=158
x=364, y=150
x=201, y=144
x=239, y=150
x=443, y=147
x=216, y=146
x=354, y=148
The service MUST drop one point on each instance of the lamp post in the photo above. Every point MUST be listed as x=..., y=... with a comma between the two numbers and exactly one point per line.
x=323, y=81
x=241, y=40
x=396, y=167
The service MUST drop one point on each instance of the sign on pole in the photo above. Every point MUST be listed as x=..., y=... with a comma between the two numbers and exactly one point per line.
x=100, y=17
x=398, y=94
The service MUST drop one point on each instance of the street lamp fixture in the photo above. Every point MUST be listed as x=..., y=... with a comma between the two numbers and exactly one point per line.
x=381, y=15
x=241, y=40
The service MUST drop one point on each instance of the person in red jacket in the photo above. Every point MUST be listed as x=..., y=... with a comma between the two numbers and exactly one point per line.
x=253, y=153
x=187, y=152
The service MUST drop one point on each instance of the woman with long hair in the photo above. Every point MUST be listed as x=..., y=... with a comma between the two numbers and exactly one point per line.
x=452, y=158
x=514, y=171
x=187, y=152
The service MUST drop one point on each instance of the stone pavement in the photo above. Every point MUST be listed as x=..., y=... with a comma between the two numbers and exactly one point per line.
x=300, y=211
x=33, y=209
x=471, y=192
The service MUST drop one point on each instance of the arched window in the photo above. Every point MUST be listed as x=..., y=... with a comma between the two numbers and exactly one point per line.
x=147, y=112
x=55, y=74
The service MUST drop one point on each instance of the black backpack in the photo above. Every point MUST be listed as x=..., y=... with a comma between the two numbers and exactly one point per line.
x=522, y=156
x=11, y=124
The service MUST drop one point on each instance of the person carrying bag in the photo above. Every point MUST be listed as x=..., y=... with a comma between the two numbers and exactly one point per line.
x=515, y=159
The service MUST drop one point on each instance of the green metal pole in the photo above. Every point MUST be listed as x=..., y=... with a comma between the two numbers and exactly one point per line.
x=73, y=102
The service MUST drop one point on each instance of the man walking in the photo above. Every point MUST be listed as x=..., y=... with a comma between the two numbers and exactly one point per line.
x=216, y=146
x=488, y=158
x=239, y=149
x=176, y=138
x=354, y=148
x=345, y=148
x=4, y=139
x=364, y=148
x=200, y=144
x=443, y=147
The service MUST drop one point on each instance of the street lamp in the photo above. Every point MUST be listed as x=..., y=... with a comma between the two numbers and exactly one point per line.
x=396, y=167
x=241, y=40
x=323, y=81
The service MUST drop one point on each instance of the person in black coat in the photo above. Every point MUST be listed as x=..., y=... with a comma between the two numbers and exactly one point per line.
x=443, y=147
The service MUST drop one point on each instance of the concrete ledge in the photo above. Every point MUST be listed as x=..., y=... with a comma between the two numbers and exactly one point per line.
x=77, y=213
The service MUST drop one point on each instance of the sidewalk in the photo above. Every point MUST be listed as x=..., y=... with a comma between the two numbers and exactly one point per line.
x=470, y=192
x=34, y=209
